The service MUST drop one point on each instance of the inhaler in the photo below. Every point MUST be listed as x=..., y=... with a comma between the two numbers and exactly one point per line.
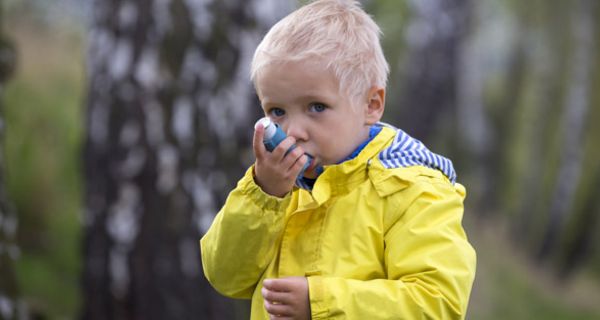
x=274, y=135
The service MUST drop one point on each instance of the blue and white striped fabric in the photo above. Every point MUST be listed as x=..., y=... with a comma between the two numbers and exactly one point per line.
x=406, y=151
x=303, y=184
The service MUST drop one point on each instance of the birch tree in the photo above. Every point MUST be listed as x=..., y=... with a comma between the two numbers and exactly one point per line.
x=576, y=106
x=434, y=36
x=169, y=125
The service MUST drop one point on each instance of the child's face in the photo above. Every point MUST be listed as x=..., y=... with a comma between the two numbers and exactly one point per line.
x=306, y=102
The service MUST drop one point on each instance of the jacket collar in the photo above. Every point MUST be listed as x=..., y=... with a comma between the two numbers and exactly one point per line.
x=341, y=178
x=391, y=148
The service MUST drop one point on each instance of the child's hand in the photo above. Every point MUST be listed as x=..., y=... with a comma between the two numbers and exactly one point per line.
x=275, y=172
x=287, y=298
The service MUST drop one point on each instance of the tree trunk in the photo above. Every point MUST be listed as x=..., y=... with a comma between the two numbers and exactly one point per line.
x=581, y=243
x=573, y=126
x=429, y=94
x=169, y=124
x=502, y=115
x=539, y=116
x=473, y=128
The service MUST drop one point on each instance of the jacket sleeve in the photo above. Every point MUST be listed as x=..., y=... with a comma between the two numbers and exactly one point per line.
x=430, y=264
x=242, y=239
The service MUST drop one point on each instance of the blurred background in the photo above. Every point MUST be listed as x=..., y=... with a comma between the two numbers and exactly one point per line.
x=125, y=123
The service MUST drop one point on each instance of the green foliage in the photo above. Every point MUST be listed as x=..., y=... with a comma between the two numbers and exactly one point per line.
x=528, y=109
x=515, y=297
x=43, y=136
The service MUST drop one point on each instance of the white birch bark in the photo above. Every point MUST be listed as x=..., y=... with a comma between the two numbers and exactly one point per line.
x=573, y=123
x=170, y=112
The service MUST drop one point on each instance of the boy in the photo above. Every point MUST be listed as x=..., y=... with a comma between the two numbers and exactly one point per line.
x=372, y=230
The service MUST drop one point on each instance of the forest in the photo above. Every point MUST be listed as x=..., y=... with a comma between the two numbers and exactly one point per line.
x=124, y=124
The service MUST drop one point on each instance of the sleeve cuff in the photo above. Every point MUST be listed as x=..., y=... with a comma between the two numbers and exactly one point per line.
x=318, y=308
x=261, y=199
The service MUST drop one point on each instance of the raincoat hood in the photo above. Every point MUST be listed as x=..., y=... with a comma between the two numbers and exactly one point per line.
x=404, y=151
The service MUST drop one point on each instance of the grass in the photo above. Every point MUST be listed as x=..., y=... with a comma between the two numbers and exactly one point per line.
x=509, y=286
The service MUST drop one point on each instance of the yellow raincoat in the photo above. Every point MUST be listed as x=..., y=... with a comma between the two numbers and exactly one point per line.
x=374, y=242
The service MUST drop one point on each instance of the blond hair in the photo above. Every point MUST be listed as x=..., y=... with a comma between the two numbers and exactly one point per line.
x=336, y=33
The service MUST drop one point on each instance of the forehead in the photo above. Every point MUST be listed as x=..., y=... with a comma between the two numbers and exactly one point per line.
x=296, y=79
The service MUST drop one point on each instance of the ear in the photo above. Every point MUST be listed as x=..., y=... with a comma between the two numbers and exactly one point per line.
x=375, y=105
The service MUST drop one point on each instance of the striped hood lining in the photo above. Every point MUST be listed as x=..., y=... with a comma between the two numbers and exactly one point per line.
x=406, y=151
x=303, y=183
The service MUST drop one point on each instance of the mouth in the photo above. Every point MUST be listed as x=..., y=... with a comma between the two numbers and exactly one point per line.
x=311, y=172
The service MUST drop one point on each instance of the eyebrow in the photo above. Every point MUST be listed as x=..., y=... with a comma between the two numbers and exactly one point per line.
x=310, y=97
x=313, y=98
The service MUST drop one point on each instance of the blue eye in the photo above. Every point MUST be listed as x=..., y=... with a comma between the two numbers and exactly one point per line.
x=277, y=112
x=317, y=107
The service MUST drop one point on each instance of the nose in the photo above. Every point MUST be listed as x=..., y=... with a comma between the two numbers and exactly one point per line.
x=297, y=129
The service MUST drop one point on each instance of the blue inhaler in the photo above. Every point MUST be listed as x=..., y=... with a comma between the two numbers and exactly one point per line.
x=274, y=135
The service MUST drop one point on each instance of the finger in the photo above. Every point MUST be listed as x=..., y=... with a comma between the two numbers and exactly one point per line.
x=280, y=284
x=257, y=142
x=299, y=164
x=281, y=150
x=276, y=309
x=292, y=158
x=276, y=296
